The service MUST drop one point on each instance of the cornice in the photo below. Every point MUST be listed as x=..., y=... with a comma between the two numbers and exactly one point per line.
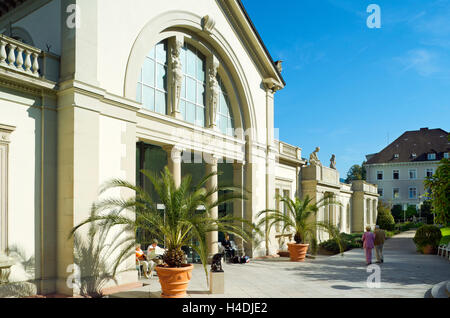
x=241, y=23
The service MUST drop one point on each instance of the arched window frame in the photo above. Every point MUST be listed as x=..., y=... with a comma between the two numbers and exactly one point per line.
x=156, y=61
x=222, y=73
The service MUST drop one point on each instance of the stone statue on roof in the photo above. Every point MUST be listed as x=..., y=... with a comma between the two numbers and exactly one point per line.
x=333, y=162
x=314, y=159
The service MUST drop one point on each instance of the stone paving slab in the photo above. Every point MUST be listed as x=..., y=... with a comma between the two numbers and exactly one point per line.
x=405, y=273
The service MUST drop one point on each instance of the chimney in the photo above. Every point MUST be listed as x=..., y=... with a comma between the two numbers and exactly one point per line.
x=424, y=129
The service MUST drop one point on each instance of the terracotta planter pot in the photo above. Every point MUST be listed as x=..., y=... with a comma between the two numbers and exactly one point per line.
x=428, y=249
x=174, y=281
x=297, y=252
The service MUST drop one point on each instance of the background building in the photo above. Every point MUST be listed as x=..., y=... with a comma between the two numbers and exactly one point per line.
x=400, y=169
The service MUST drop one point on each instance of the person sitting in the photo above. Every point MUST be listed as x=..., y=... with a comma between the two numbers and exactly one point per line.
x=142, y=259
x=226, y=243
x=154, y=252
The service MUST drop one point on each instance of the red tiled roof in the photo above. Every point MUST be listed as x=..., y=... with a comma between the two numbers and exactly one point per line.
x=419, y=142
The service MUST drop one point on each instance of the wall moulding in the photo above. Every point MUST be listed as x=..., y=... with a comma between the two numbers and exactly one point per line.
x=5, y=134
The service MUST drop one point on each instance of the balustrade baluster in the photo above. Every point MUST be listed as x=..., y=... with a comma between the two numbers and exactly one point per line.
x=3, y=54
x=28, y=61
x=35, y=64
x=12, y=55
x=19, y=60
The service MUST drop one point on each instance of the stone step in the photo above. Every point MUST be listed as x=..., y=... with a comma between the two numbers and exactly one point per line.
x=440, y=290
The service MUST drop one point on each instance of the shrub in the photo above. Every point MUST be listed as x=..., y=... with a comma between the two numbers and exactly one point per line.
x=385, y=219
x=411, y=211
x=426, y=211
x=349, y=241
x=402, y=227
x=332, y=246
x=397, y=212
x=427, y=235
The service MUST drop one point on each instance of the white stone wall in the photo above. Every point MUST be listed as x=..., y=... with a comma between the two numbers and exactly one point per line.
x=24, y=198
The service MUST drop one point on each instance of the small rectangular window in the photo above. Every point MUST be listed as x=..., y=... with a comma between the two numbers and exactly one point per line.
x=412, y=193
x=396, y=175
x=429, y=173
x=412, y=174
x=447, y=155
x=379, y=175
x=396, y=193
x=380, y=192
x=431, y=156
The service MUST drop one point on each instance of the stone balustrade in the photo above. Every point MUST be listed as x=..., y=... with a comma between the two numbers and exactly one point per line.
x=289, y=150
x=19, y=56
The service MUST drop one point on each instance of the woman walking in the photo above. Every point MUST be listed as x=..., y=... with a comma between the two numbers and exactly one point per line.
x=368, y=239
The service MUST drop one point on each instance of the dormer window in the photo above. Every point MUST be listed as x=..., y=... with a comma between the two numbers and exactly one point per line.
x=447, y=155
x=414, y=155
x=431, y=156
x=396, y=156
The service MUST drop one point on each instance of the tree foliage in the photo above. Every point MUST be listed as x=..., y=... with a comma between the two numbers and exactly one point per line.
x=397, y=212
x=300, y=219
x=385, y=219
x=439, y=187
x=426, y=211
x=180, y=224
x=356, y=172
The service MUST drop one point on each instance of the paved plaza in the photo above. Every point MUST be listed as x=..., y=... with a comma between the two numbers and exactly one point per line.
x=405, y=273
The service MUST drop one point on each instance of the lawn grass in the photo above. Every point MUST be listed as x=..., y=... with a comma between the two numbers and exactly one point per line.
x=445, y=235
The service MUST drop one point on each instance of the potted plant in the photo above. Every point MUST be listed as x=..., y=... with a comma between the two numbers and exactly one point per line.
x=427, y=239
x=301, y=219
x=180, y=224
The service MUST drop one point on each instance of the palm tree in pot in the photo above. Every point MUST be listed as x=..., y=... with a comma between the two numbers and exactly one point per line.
x=300, y=219
x=179, y=225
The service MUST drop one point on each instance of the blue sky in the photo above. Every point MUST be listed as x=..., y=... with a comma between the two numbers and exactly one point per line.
x=350, y=89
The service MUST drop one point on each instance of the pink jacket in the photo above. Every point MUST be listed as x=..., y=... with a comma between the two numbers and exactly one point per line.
x=368, y=239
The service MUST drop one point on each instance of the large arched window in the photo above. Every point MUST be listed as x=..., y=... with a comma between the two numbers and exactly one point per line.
x=193, y=91
x=152, y=84
x=224, y=114
x=159, y=80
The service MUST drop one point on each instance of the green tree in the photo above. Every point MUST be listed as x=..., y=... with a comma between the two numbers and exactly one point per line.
x=397, y=212
x=439, y=187
x=300, y=219
x=411, y=211
x=180, y=224
x=385, y=219
x=426, y=211
x=356, y=172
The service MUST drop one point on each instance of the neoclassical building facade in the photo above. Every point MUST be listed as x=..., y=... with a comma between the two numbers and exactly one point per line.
x=92, y=90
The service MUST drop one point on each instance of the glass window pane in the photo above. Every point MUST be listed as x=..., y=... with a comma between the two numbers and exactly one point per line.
x=190, y=63
x=190, y=113
x=191, y=89
x=148, y=98
x=200, y=68
x=161, y=52
x=183, y=59
x=148, y=71
x=151, y=54
x=223, y=105
x=139, y=92
x=161, y=79
x=223, y=124
x=201, y=94
x=160, y=102
x=200, y=116
x=183, y=88
x=183, y=109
